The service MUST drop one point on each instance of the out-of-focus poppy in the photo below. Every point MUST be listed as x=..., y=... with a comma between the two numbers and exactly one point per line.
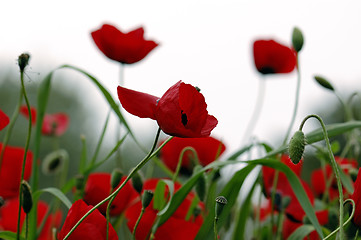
x=356, y=196
x=207, y=149
x=10, y=172
x=4, y=120
x=181, y=111
x=126, y=48
x=94, y=227
x=271, y=57
x=98, y=187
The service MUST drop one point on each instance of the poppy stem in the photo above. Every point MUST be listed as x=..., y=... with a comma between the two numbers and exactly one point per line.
x=179, y=165
x=138, y=221
x=334, y=165
x=150, y=155
x=25, y=150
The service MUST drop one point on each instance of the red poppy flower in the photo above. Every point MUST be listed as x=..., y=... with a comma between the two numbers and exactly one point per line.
x=208, y=149
x=318, y=179
x=271, y=57
x=4, y=120
x=53, y=124
x=356, y=196
x=284, y=188
x=126, y=48
x=289, y=225
x=175, y=228
x=98, y=187
x=94, y=227
x=9, y=218
x=181, y=111
x=10, y=172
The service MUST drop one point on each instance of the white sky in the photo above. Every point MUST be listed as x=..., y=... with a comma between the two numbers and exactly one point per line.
x=205, y=43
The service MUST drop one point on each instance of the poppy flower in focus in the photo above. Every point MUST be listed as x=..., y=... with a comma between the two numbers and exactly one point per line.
x=356, y=196
x=98, y=187
x=94, y=227
x=9, y=218
x=175, y=228
x=4, y=120
x=53, y=124
x=318, y=179
x=10, y=172
x=180, y=112
x=284, y=188
x=271, y=57
x=126, y=48
x=208, y=149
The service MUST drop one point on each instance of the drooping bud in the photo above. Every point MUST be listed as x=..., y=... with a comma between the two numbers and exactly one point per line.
x=23, y=61
x=54, y=162
x=147, y=198
x=201, y=183
x=27, y=202
x=117, y=175
x=297, y=39
x=296, y=146
x=324, y=83
x=220, y=203
x=137, y=181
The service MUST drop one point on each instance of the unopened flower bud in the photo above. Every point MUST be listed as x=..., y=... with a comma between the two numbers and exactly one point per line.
x=324, y=83
x=54, y=162
x=297, y=39
x=201, y=183
x=116, y=178
x=147, y=198
x=297, y=146
x=137, y=181
x=79, y=182
x=220, y=203
x=23, y=61
x=286, y=200
x=27, y=202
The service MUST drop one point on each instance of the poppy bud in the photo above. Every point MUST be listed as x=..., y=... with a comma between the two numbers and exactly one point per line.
x=286, y=200
x=201, y=183
x=23, y=61
x=27, y=202
x=220, y=203
x=324, y=83
x=54, y=162
x=137, y=181
x=79, y=182
x=297, y=39
x=297, y=146
x=117, y=175
x=147, y=198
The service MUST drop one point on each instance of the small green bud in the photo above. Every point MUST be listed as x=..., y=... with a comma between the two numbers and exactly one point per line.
x=147, y=198
x=23, y=61
x=27, y=202
x=116, y=178
x=137, y=181
x=286, y=200
x=297, y=146
x=79, y=182
x=297, y=39
x=220, y=203
x=324, y=83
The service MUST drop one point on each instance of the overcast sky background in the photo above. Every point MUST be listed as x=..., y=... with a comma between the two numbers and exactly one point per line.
x=205, y=43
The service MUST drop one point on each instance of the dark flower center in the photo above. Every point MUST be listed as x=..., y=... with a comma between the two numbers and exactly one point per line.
x=184, y=118
x=267, y=70
x=54, y=164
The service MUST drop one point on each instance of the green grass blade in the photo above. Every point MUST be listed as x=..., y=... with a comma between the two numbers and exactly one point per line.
x=7, y=235
x=57, y=193
x=301, y=232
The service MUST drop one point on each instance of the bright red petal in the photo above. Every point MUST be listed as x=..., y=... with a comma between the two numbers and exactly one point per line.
x=4, y=120
x=55, y=124
x=25, y=113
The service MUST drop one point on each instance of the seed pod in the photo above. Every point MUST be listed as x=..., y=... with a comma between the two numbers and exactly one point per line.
x=27, y=202
x=220, y=203
x=147, y=198
x=297, y=39
x=297, y=146
x=23, y=61
x=324, y=83
x=116, y=178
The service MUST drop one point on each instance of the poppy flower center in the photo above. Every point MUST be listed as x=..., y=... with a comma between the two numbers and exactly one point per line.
x=184, y=118
x=267, y=70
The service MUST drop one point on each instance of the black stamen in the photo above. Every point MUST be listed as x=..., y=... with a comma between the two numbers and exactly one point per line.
x=184, y=118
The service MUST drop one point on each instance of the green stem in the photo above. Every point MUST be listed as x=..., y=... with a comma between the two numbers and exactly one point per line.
x=179, y=165
x=273, y=193
x=280, y=224
x=333, y=164
x=296, y=100
x=138, y=221
x=25, y=151
x=135, y=169
x=26, y=226
x=215, y=228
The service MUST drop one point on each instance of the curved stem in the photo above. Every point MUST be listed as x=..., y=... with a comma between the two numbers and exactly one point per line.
x=179, y=165
x=138, y=221
x=135, y=169
x=296, y=100
x=25, y=151
x=256, y=111
x=333, y=164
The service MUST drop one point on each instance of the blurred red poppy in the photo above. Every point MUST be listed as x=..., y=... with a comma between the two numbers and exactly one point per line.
x=4, y=120
x=208, y=149
x=318, y=179
x=175, y=228
x=98, y=187
x=180, y=112
x=10, y=172
x=53, y=124
x=272, y=57
x=94, y=227
x=9, y=218
x=126, y=48
x=356, y=196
